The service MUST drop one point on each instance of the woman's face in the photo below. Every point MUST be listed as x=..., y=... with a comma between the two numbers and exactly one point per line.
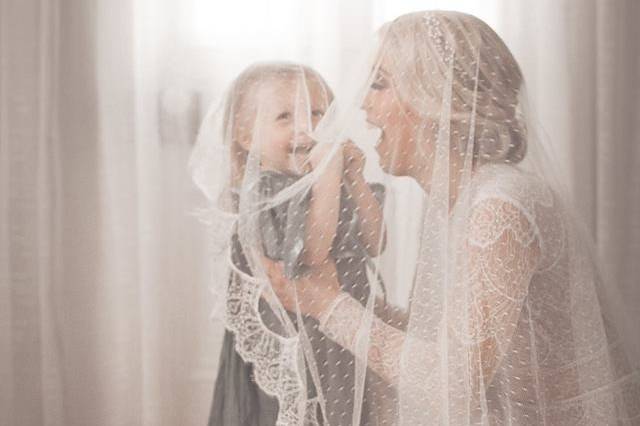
x=407, y=143
x=397, y=146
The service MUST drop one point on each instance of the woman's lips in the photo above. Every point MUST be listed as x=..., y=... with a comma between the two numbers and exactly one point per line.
x=371, y=125
x=376, y=146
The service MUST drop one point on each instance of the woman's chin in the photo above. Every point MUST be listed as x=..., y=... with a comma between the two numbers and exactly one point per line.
x=389, y=168
x=385, y=158
x=382, y=161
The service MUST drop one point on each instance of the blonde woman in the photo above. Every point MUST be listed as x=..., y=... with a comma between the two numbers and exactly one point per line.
x=508, y=321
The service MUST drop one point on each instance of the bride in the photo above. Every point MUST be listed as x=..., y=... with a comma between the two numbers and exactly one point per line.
x=508, y=321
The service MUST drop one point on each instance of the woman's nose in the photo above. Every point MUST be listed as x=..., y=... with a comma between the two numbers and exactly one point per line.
x=367, y=102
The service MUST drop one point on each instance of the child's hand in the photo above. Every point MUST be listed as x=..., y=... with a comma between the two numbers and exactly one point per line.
x=320, y=152
x=354, y=160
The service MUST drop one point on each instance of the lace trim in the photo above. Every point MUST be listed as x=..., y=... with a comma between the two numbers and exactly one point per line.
x=274, y=357
x=535, y=199
x=324, y=317
x=342, y=323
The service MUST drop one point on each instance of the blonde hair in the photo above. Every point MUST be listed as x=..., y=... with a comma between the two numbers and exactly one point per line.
x=426, y=48
x=241, y=90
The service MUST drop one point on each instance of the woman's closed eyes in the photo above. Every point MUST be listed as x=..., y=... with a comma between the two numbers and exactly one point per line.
x=380, y=83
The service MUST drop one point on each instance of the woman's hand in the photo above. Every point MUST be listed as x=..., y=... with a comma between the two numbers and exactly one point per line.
x=311, y=294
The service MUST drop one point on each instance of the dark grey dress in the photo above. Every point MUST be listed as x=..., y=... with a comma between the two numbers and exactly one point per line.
x=237, y=399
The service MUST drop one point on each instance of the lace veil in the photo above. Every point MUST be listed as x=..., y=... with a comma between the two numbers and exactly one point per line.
x=476, y=299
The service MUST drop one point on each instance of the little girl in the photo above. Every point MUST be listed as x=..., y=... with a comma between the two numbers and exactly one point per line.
x=270, y=111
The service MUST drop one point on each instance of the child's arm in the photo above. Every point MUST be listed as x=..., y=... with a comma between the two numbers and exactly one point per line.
x=324, y=207
x=369, y=210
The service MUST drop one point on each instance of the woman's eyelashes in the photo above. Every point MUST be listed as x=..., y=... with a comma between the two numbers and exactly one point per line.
x=379, y=83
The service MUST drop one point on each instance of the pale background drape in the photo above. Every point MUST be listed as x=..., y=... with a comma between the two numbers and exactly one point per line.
x=104, y=305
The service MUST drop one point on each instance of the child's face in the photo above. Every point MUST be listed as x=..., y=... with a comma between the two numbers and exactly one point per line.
x=286, y=111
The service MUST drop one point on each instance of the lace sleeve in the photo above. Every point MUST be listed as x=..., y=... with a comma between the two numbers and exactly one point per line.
x=343, y=322
x=502, y=251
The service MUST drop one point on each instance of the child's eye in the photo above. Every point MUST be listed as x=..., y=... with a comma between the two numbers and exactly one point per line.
x=300, y=150
x=317, y=113
x=283, y=116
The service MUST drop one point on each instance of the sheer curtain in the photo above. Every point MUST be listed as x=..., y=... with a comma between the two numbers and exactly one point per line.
x=103, y=305
x=103, y=272
x=582, y=64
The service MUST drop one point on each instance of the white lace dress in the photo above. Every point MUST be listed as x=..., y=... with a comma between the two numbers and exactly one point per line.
x=523, y=334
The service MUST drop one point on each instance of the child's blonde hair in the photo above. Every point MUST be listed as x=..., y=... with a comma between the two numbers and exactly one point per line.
x=241, y=91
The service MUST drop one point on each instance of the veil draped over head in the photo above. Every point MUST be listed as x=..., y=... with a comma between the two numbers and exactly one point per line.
x=505, y=318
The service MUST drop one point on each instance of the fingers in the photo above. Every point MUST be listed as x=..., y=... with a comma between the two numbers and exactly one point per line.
x=350, y=145
x=273, y=269
x=351, y=150
x=321, y=150
x=354, y=159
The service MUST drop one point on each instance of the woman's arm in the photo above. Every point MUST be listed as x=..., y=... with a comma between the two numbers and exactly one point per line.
x=503, y=251
x=391, y=315
x=345, y=318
